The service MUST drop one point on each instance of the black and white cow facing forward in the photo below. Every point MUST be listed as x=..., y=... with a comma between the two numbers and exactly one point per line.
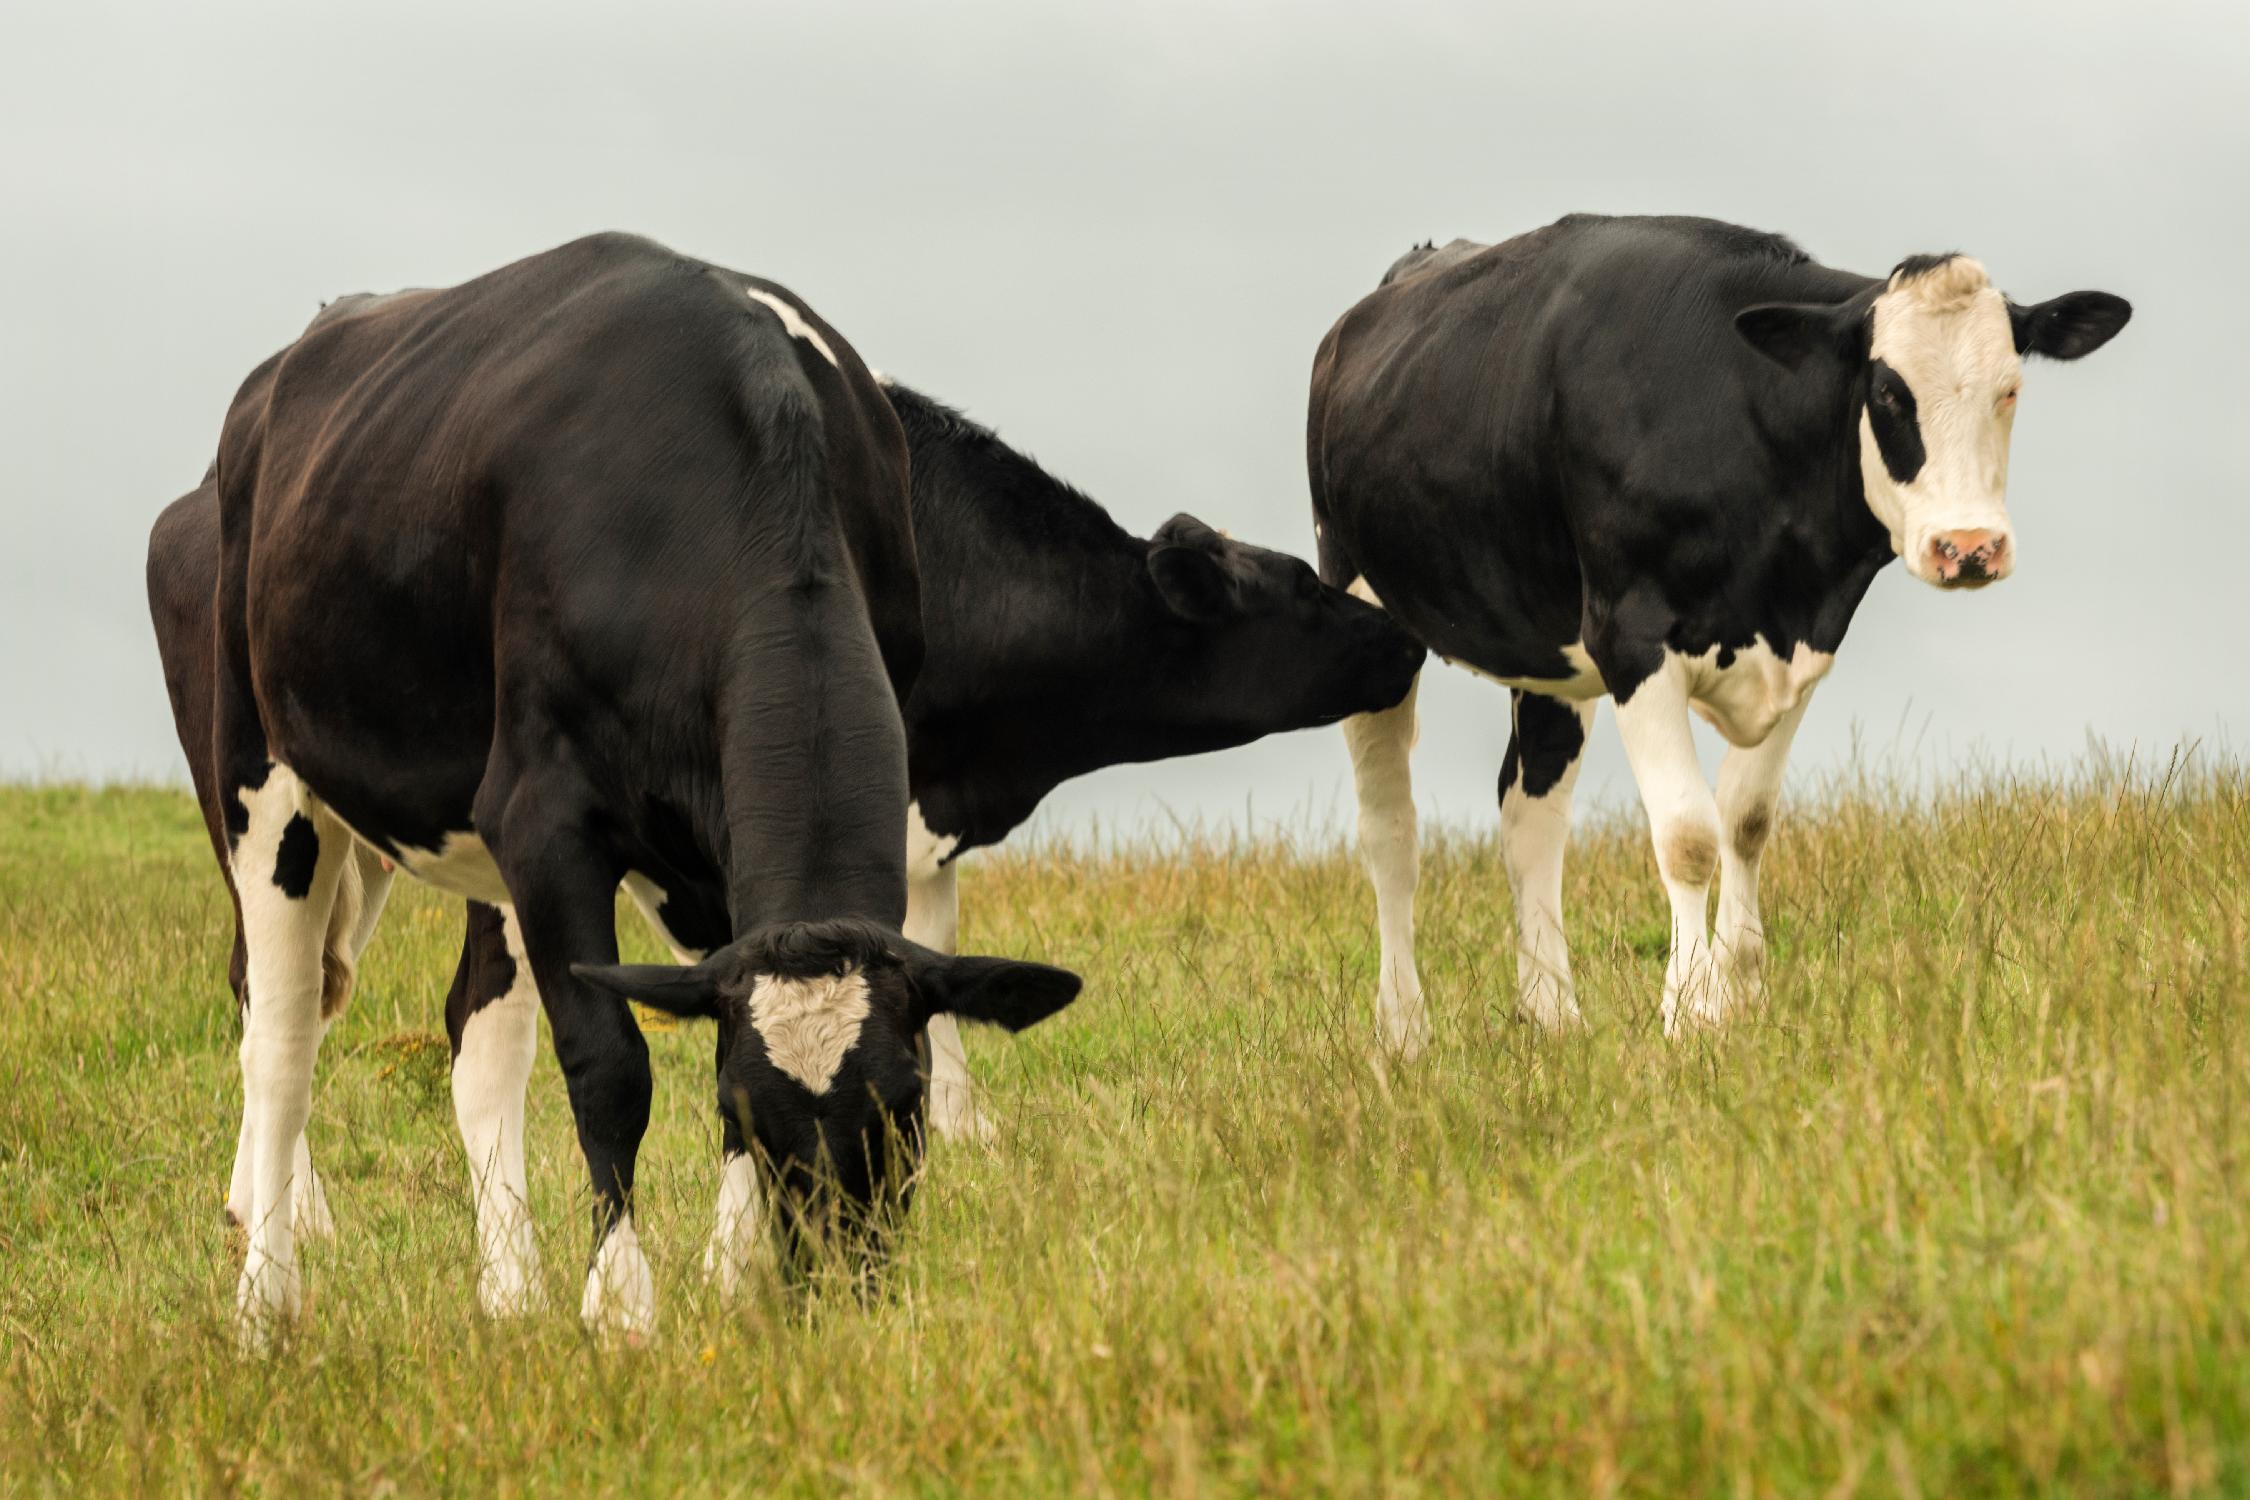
x=596, y=567
x=1658, y=459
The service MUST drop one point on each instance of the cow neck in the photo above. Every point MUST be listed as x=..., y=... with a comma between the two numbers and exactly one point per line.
x=1061, y=680
x=812, y=762
x=1840, y=545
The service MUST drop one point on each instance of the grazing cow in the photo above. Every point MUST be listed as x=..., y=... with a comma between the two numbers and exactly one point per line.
x=599, y=567
x=1056, y=643
x=1659, y=459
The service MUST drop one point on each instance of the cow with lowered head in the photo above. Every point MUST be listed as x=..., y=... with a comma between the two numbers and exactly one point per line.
x=1658, y=459
x=596, y=568
x=1055, y=643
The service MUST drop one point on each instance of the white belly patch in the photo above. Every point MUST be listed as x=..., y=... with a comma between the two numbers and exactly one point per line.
x=1746, y=698
x=1583, y=684
x=925, y=851
x=461, y=865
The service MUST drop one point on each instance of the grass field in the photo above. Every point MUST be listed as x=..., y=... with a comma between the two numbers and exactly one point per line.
x=1962, y=1211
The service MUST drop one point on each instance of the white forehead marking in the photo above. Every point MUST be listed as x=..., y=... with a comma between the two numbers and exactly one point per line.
x=794, y=321
x=1947, y=327
x=809, y=1024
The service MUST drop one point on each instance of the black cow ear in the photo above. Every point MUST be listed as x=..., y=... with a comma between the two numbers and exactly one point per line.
x=1193, y=581
x=1009, y=992
x=2071, y=326
x=1184, y=530
x=689, y=991
x=1789, y=333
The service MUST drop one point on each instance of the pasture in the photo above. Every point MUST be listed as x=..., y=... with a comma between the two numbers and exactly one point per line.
x=1961, y=1211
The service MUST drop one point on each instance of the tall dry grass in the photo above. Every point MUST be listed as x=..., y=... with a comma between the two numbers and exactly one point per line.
x=1959, y=1211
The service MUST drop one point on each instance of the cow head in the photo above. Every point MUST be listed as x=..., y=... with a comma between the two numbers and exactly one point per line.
x=1936, y=355
x=818, y=1026
x=1272, y=647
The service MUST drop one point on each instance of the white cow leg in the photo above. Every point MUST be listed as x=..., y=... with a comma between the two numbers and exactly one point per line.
x=932, y=919
x=287, y=865
x=495, y=1043
x=365, y=885
x=245, y=1158
x=1683, y=820
x=1547, y=747
x=742, y=1234
x=1382, y=745
x=1749, y=794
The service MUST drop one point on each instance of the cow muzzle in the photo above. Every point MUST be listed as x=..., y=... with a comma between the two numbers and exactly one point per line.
x=1968, y=559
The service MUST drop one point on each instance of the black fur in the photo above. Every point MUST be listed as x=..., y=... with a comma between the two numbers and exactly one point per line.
x=1569, y=440
x=1895, y=418
x=1059, y=643
x=1921, y=265
x=2071, y=326
x=712, y=612
x=297, y=857
x=1544, y=743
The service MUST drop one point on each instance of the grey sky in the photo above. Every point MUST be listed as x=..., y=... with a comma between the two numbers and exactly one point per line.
x=1117, y=233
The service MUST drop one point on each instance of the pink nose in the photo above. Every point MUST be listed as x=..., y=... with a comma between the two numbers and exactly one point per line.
x=1968, y=557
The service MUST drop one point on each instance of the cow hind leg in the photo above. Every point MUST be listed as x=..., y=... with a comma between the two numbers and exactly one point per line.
x=1545, y=750
x=1683, y=820
x=288, y=866
x=932, y=919
x=492, y=1020
x=364, y=882
x=1749, y=793
x=1381, y=746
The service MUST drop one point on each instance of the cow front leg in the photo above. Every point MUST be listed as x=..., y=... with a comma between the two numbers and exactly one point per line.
x=1382, y=745
x=492, y=1021
x=742, y=1233
x=565, y=899
x=287, y=865
x=1749, y=794
x=1683, y=821
x=1546, y=746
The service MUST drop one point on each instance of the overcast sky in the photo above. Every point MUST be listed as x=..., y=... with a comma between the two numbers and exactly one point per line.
x=1117, y=233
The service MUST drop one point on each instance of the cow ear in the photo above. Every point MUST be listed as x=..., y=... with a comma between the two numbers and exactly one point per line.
x=1191, y=575
x=1184, y=530
x=1789, y=333
x=1008, y=992
x=689, y=991
x=2071, y=326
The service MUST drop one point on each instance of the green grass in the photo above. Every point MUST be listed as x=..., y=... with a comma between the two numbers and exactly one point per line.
x=1961, y=1211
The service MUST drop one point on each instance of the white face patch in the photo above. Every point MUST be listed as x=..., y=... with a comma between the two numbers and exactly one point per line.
x=809, y=1024
x=1947, y=334
x=792, y=320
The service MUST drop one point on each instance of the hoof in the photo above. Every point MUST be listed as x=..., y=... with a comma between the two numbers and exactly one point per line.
x=267, y=1301
x=1557, y=1015
x=308, y=1209
x=964, y=1125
